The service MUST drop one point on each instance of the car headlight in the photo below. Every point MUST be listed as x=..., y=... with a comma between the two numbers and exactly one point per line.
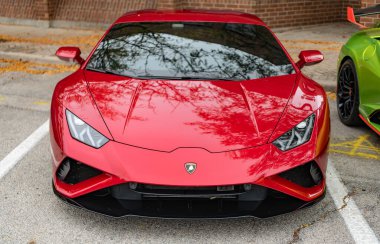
x=300, y=134
x=83, y=132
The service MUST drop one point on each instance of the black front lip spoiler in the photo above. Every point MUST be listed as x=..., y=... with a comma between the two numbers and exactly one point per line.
x=266, y=210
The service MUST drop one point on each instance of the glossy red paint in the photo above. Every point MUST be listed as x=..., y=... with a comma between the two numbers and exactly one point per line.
x=70, y=54
x=134, y=163
x=256, y=165
x=309, y=57
x=189, y=16
x=84, y=187
x=213, y=115
x=156, y=126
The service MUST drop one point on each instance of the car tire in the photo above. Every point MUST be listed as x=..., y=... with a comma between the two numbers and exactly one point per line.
x=347, y=97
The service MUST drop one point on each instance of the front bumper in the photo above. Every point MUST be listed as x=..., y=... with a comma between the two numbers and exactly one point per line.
x=274, y=203
x=119, y=164
x=275, y=190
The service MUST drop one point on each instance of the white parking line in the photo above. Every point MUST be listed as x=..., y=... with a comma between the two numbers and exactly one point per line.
x=19, y=152
x=359, y=229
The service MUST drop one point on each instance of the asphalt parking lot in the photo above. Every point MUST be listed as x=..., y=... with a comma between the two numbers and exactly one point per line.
x=30, y=212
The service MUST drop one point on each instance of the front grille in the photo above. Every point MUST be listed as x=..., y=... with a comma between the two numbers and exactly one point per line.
x=119, y=201
x=183, y=190
x=307, y=175
x=130, y=190
x=72, y=172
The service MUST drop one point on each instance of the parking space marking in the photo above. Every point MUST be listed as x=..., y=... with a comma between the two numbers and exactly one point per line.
x=331, y=95
x=360, y=147
x=41, y=102
x=359, y=229
x=7, y=163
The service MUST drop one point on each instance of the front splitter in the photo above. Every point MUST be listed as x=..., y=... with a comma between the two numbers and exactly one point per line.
x=275, y=204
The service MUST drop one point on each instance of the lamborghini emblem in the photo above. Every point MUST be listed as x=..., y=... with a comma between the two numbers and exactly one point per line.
x=190, y=167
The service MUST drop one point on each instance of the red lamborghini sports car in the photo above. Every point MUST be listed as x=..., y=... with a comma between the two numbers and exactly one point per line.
x=189, y=114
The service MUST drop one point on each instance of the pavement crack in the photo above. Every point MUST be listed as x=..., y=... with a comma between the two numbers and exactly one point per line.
x=297, y=231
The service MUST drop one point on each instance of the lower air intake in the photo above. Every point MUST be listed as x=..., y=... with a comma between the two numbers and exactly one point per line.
x=375, y=118
x=307, y=175
x=73, y=172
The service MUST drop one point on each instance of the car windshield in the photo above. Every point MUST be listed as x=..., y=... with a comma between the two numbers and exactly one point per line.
x=190, y=50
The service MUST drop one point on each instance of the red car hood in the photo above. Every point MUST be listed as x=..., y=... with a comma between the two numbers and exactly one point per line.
x=169, y=114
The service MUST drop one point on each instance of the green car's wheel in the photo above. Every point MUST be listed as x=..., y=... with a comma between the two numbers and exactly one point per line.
x=348, y=94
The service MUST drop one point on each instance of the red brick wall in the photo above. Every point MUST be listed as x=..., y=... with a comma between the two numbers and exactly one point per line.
x=20, y=9
x=276, y=13
x=168, y=4
x=97, y=11
x=237, y=5
x=373, y=19
x=26, y=9
x=282, y=13
x=41, y=9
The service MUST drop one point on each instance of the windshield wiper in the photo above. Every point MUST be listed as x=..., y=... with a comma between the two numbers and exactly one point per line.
x=147, y=77
x=104, y=71
x=182, y=78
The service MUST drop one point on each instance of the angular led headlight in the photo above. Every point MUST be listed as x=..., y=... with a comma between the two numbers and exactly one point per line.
x=300, y=134
x=83, y=132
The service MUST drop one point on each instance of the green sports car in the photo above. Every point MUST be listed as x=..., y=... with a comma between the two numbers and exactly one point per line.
x=358, y=86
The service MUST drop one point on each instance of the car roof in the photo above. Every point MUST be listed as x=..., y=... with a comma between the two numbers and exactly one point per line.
x=222, y=16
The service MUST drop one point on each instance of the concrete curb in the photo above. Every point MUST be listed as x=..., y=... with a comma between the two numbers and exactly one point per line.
x=304, y=27
x=55, y=23
x=26, y=22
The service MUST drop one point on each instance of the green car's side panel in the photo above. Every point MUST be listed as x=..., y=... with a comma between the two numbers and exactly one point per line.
x=364, y=49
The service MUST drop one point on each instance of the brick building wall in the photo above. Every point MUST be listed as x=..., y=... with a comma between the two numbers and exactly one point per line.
x=98, y=11
x=370, y=20
x=22, y=9
x=276, y=13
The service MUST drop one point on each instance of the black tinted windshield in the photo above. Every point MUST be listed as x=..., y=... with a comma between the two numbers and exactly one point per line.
x=190, y=50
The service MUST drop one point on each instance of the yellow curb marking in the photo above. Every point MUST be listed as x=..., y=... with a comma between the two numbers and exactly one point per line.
x=41, y=102
x=290, y=47
x=12, y=65
x=2, y=98
x=331, y=95
x=361, y=147
x=89, y=40
x=314, y=42
x=324, y=45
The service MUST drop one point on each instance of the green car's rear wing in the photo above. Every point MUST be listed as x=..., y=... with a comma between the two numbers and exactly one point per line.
x=351, y=14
